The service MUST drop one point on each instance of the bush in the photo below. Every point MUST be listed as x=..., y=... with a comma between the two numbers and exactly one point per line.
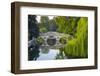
x=63, y=40
x=39, y=40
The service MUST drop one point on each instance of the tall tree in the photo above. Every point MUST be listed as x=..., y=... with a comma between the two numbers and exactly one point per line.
x=78, y=27
x=33, y=29
x=33, y=32
x=66, y=24
x=52, y=25
x=78, y=46
x=44, y=23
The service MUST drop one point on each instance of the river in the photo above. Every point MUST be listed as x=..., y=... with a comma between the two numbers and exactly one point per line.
x=49, y=54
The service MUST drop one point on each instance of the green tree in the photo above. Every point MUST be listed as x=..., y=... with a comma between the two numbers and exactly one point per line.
x=40, y=40
x=44, y=24
x=78, y=28
x=66, y=24
x=52, y=25
x=63, y=40
x=78, y=47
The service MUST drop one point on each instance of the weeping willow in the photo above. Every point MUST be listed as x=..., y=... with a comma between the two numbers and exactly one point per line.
x=78, y=46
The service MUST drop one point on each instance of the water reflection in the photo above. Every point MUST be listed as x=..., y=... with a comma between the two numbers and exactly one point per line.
x=36, y=53
x=48, y=54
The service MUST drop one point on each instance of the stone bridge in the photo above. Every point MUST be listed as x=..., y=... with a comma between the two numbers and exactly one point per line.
x=51, y=40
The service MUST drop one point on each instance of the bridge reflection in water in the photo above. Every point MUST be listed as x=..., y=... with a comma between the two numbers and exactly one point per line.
x=49, y=49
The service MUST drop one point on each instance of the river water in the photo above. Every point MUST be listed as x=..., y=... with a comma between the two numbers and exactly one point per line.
x=49, y=54
x=46, y=54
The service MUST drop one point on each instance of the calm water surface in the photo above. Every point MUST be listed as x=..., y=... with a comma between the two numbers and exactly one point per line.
x=49, y=54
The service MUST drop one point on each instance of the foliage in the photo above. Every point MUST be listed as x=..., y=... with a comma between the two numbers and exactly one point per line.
x=33, y=32
x=52, y=25
x=33, y=29
x=63, y=40
x=44, y=24
x=39, y=40
x=78, y=46
x=66, y=24
x=43, y=30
